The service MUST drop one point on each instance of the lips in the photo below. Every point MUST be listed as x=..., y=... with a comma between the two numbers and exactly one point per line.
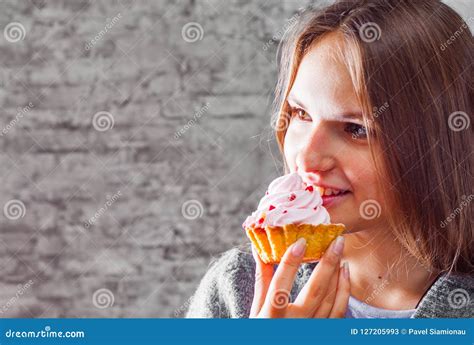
x=329, y=191
x=330, y=200
x=331, y=195
x=322, y=187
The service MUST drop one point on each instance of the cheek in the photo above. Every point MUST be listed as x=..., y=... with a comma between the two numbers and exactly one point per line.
x=360, y=167
x=290, y=150
x=361, y=171
x=296, y=137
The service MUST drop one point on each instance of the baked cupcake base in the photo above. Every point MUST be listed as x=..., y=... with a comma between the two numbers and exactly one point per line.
x=272, y=242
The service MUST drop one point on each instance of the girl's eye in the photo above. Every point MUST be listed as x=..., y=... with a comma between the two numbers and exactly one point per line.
x=357, y=131
x=300, y=114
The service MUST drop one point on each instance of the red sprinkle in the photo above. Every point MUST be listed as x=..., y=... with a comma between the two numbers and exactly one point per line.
x=285, y=211
x=271, y=207
x=292, y=197
x=315, y=208
x=266, y=193
x=309, y=188
x=260, y=221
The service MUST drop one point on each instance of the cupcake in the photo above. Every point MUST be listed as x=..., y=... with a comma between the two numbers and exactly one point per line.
x=290, y=209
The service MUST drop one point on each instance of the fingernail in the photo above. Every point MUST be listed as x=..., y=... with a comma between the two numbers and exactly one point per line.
x=338, y=245
x=345, y=269
x=299, y=247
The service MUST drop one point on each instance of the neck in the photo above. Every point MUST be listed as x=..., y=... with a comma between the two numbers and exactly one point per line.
x=383, y=273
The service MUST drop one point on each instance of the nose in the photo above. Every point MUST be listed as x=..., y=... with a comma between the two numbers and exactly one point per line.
x=316, y=153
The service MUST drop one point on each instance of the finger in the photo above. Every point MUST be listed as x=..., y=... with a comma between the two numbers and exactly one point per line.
x=315, y=289
x=282, y=282
x=324, y=309
x=263, y=277
x=343, y=292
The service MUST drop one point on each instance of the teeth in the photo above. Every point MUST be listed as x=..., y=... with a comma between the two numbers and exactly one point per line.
x=329, y=191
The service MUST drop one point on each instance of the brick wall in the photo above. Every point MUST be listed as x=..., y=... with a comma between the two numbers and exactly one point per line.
x=93, y=223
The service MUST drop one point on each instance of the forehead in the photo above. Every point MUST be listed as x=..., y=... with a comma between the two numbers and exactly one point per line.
x=323, y=82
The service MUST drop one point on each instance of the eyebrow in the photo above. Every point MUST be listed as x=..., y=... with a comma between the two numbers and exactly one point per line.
x=351, y=115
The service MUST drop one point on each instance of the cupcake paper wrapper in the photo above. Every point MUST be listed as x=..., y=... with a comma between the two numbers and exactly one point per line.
x=272, y=242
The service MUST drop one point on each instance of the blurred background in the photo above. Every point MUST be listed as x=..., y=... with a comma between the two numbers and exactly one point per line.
x=135, y=138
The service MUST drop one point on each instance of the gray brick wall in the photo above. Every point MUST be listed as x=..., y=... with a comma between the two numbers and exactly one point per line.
x=93, y=223
x=133, y=145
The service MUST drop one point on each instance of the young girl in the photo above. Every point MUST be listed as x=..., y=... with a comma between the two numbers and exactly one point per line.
x=374, y=97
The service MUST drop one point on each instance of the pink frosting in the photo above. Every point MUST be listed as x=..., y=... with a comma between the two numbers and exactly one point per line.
x=289, y=200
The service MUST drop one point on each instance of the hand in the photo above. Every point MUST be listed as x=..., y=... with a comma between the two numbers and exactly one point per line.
x=325, y=294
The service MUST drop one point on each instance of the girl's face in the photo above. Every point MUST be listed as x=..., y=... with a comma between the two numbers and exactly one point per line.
x=327, y=140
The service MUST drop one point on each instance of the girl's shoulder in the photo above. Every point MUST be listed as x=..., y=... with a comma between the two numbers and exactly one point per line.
x=232, y=268
x=226, y=290
x=451, y=296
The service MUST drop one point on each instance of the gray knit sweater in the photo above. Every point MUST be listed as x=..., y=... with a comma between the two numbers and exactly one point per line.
x=226, y=290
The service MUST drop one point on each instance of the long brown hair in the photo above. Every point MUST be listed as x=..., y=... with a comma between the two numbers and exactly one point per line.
x=411, y=67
